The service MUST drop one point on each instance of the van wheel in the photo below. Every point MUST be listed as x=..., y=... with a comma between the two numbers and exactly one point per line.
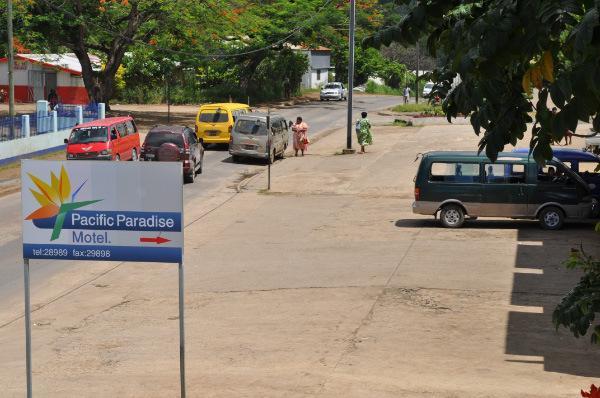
x=118, y=158
x=551, y=218
x=452, y=216
x=134, y=156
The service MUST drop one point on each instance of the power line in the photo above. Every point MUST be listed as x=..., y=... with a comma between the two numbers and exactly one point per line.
x=193, y=54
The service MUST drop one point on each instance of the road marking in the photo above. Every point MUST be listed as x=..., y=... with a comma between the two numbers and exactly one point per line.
x=531, y=243
x=528, y=309
x=537, y=271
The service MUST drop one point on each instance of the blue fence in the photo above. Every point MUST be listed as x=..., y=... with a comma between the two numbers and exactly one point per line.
x=41, y=122
x=10, y=128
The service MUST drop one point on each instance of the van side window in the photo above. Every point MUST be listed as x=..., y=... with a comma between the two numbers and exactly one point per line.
x=130, y=127
x=122, y=129
x=454, y=172
x=504, y=173
x=552, y=173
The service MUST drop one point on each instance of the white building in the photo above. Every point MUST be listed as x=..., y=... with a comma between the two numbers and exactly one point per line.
x=319, y=64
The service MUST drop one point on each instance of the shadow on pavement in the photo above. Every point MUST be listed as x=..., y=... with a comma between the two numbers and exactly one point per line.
x=541, y=280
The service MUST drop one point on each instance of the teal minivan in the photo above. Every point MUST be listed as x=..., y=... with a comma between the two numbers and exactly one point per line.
x=466, y=185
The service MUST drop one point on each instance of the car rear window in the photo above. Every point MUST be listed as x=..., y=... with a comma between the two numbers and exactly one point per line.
x=161, y=137
x=214, y=117
x=251, y=127
x=454, y=172
x=83, y=135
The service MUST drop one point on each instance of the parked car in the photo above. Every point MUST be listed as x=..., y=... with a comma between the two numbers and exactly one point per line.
x=214, y=122
x=335, y=91
x=114, y=138
x=249, y=137
x=460, y=185
x=427, y=89
x=592, y=145
x=175, y=144
x=584, y=164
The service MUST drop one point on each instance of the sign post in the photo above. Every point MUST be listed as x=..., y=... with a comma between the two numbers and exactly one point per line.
x=27, y=325
x=102, y=211
x=269, y=160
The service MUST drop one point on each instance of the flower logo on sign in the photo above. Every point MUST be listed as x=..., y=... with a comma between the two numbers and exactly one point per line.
x=54, y=199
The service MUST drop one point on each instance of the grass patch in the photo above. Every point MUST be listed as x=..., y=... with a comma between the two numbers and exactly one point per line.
x=424, y=109
x=374, y=88
x=402, y=123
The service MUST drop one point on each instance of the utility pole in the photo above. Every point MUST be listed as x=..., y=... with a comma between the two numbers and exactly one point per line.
x=350, y=76
x=417, y=79
x=269, y=144
x=11, y=65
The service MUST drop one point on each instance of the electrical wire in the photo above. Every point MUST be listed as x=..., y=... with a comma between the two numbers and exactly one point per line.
x=194, y=54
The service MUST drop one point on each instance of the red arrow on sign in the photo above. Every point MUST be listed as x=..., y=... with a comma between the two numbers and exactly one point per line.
x=158, y=240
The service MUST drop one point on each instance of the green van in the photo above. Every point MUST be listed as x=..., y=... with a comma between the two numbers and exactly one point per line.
x=462, y=185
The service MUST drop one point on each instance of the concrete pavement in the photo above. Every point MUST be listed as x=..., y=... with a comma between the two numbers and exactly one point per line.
x=326, y=286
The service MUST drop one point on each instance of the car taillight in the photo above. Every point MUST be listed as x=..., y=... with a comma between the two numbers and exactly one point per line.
x=196, y=129
x=230, y=129
x=417, y=193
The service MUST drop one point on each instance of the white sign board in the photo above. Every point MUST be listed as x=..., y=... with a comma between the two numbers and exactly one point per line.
x=102, y=211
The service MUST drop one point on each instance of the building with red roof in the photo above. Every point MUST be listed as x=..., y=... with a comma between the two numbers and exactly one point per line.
x=36, y=74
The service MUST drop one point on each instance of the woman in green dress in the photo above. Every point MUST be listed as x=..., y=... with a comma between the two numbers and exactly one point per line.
x=364, y=132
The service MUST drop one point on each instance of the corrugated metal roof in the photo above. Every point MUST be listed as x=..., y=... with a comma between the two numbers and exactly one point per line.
x=67, y=62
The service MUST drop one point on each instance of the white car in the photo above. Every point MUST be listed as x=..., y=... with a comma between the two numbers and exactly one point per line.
x=334, y=91
x=427, y=89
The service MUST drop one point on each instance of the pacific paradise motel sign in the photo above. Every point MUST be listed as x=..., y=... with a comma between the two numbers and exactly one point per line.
x=102, y=211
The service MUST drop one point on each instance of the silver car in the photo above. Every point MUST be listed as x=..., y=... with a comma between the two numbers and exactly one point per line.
x=249, y=137
x=334, y=91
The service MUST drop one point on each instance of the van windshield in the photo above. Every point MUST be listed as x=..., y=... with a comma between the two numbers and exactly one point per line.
x=83, y=135
x=251, y=127
x=164, y=137
x=217, y=116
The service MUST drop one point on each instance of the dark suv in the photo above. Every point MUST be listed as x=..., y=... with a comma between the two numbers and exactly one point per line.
x=174, y=144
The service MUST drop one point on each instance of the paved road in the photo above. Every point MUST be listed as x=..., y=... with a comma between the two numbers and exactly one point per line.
x=218, y=168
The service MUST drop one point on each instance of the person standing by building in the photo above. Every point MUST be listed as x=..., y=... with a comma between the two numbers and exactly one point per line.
x=406, y=94
x=363, y=132
x=301, y=141
x=52, y=99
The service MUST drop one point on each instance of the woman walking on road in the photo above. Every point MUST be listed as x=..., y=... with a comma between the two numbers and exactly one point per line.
x=300, y=130
x=363, y=132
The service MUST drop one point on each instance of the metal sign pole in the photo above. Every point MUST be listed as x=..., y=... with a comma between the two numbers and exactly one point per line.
x=181, y=333
x=350, y=74
x=269, y=149
x=27, y=325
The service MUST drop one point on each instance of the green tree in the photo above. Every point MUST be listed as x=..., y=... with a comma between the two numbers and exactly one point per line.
x=577, y=310
x=501, y=50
